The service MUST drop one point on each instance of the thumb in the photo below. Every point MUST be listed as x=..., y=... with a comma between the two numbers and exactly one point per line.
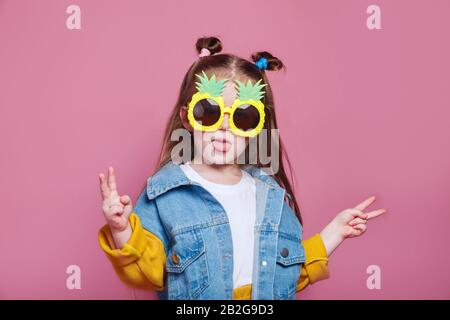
x=125, y=200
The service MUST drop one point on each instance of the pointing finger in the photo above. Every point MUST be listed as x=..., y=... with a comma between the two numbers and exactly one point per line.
x=112, y=179
x=375, y=213
x=103, y=186
x=365, y=203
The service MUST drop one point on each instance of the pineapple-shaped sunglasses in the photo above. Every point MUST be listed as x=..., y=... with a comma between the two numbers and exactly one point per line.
x=206, y=109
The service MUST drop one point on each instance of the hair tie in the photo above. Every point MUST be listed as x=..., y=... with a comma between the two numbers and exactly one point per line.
x=204, y=52
x=261, y=63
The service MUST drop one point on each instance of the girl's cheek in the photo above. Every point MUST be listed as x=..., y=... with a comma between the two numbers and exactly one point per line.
x=240, y=144
x=201, y=140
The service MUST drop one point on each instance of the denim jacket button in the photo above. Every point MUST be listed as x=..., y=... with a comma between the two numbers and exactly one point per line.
x=175, y=259
x=284, y=252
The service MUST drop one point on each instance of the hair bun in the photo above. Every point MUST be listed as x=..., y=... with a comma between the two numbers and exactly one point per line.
x=213, y=44
x=273, y=63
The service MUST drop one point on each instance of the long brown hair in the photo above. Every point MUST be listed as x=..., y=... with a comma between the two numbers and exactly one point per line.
x=231, y=66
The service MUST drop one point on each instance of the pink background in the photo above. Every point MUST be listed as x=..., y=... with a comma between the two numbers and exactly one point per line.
x=362, y=112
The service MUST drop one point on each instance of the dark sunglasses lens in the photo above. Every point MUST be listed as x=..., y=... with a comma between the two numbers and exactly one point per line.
x=246, y=117
x=206, y=112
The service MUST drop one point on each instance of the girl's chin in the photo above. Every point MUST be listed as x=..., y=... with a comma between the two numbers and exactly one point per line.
x=218, y=157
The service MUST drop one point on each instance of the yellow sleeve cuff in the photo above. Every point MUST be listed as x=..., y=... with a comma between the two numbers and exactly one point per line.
x=316, y=263
x=131, y=251
x=315, y=267
x=140, y=262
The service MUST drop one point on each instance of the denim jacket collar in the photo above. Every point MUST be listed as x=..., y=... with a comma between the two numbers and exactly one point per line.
x=170, y=176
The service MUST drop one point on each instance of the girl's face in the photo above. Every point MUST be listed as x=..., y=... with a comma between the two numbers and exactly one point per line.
x=220, y=146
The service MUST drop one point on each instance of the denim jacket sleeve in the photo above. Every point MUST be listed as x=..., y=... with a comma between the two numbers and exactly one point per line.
x=148, y=214
x=315, y=265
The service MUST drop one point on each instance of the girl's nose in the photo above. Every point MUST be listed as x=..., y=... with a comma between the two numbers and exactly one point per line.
x=225, y=124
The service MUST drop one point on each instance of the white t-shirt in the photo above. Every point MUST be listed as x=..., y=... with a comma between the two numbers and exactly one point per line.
x=239, y=202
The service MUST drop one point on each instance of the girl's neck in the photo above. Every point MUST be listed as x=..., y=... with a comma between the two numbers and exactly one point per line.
x=218, y=173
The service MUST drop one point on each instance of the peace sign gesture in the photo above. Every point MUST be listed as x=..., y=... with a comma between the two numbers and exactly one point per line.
x=116, y=208
x=348, y=223
x=353, y=221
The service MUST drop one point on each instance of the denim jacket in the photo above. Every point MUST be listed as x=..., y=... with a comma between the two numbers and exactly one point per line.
x=196, y=235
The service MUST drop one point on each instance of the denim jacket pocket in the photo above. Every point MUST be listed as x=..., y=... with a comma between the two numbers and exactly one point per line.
x=186, y=265
x=290, y=257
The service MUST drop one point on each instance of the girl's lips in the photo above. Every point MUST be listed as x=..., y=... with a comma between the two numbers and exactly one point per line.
x=221, y=145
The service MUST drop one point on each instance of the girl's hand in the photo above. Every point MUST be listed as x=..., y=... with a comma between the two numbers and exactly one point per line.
x=348, y=223
x=117, y=209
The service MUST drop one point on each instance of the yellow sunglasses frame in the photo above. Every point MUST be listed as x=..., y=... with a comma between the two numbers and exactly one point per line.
x=230, y=110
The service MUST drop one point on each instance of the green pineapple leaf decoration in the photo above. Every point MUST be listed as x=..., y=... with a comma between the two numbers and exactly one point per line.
x=210, y=86
x=250, y=91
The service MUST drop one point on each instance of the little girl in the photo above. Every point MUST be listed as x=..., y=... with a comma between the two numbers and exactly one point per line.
x=210, y=226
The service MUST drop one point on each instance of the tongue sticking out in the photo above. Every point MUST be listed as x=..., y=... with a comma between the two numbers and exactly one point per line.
x=221, y=146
